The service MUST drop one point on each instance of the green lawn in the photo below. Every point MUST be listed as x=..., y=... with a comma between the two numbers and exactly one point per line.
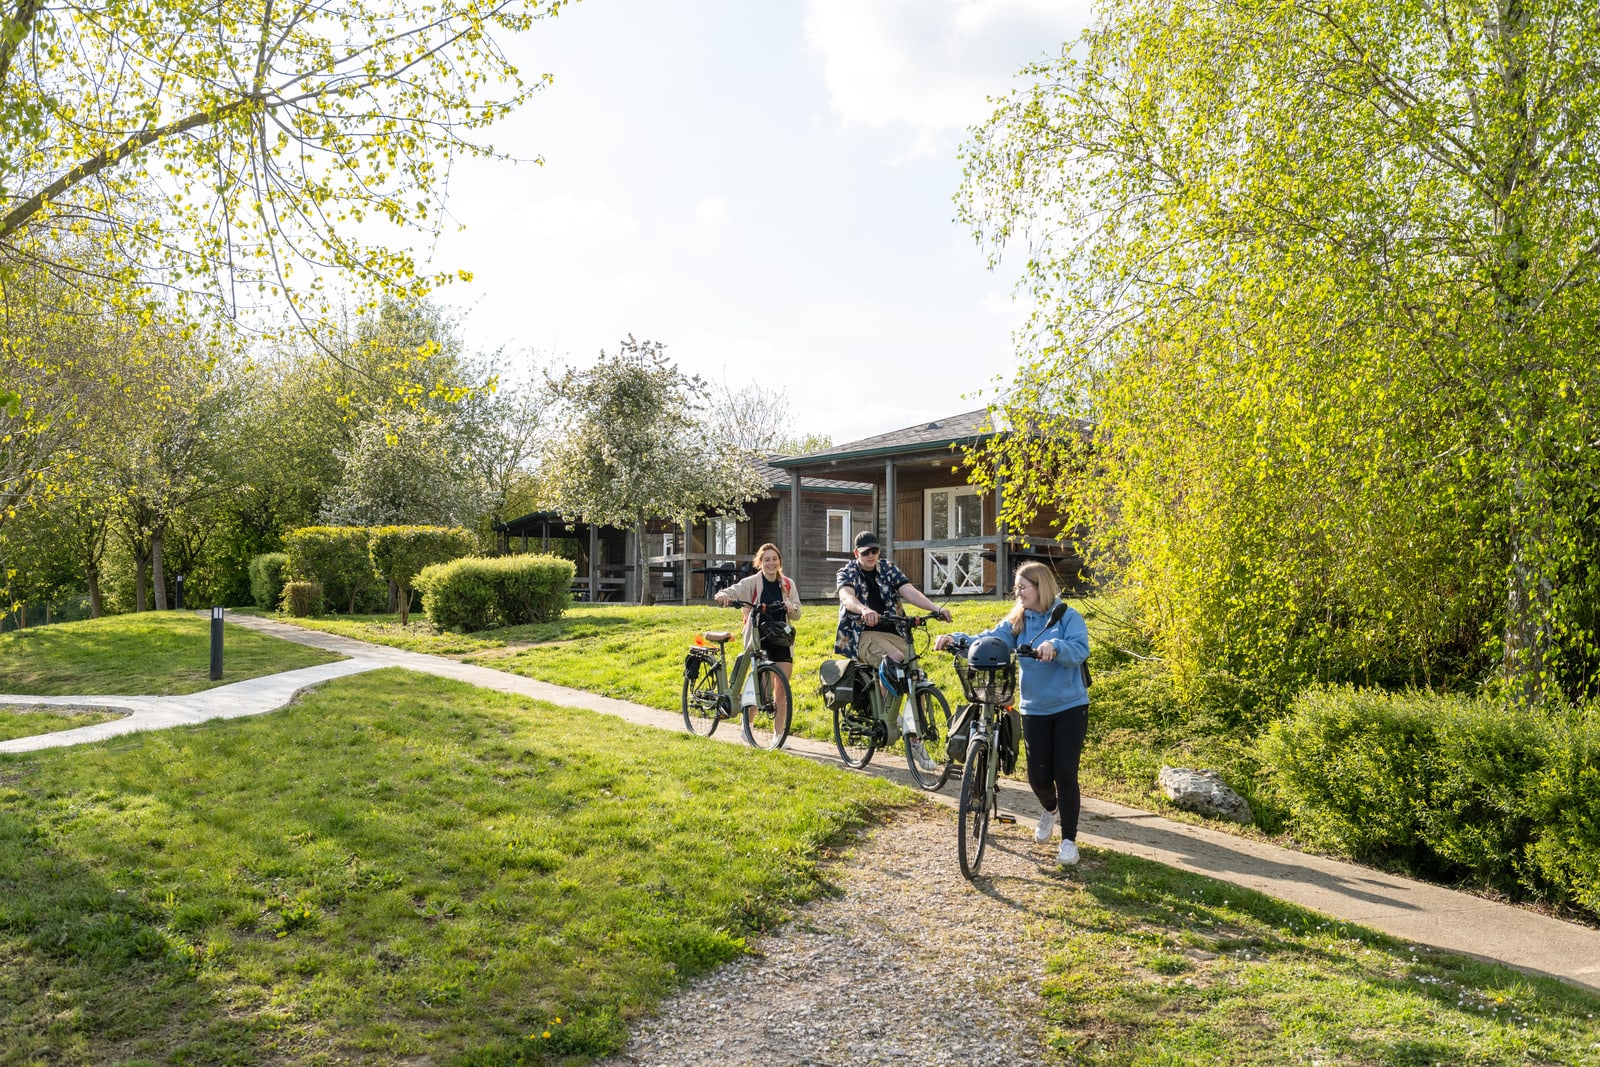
x=636, y=653
x=1151, y=966
x=147, y=654
x=29, y=721
x=397, y=867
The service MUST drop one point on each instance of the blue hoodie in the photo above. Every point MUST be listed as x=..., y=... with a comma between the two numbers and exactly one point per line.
x=1048, y=688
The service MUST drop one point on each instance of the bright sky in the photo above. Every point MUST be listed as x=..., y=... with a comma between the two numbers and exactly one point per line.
x=762, y=185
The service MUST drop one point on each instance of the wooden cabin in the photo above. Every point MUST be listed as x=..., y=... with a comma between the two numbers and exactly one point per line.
x=931, y=521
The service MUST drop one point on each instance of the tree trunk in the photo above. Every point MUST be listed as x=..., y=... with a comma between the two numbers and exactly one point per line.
x=405, y=604
x=97, y=605
x=141, y=588
x=158, y=570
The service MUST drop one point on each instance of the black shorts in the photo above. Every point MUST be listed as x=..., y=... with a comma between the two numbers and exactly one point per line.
x=778, y=653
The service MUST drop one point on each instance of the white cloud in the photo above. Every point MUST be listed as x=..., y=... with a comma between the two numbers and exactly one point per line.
x=712, y=210
x=931, y=64
x=569, y=219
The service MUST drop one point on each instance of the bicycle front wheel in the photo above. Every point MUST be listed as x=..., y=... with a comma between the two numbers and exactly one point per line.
x=854, y=736
x=976, y=805
x=701, y=701
x=927, y=757
x=766, y=722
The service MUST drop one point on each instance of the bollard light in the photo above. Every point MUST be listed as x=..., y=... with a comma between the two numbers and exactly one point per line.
x=177, y=594
x=216, y=644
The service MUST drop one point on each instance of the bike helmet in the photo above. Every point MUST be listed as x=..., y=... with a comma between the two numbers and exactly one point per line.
x=991, y=672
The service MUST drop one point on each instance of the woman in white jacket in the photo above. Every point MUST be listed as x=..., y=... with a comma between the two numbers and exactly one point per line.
x=769, y=598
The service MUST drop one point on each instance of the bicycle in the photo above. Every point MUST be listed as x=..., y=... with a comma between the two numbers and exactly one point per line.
x=990, y=687
x=869, y=717
x=709, y=689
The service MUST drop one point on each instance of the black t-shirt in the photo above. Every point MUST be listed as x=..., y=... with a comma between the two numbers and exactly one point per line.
x=770, y=601
x=875, y=601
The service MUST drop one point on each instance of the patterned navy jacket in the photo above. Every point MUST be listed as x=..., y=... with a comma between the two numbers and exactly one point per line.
x=890, y=579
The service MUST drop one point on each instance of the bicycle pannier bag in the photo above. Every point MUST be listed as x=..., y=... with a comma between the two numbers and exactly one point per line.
x=698, y=660
x=1010, y=729
x=837, y=678
x=960, y=730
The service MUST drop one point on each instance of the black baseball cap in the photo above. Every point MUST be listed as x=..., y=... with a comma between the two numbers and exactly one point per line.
x=866, y=539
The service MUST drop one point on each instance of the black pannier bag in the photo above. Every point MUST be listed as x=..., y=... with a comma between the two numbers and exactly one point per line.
x=1010, y=730
x=837, y=678
x=960, y=730
x=698, y=660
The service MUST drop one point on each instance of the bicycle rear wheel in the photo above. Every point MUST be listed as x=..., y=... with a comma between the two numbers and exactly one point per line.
x=854, y=736
x=933, y=729
x=972, y=819
x=701, y=701
x=767, y=722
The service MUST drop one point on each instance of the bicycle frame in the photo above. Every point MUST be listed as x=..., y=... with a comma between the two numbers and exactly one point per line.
x=888, y=709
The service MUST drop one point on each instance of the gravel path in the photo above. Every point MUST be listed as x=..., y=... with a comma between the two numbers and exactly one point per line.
x=909, y=964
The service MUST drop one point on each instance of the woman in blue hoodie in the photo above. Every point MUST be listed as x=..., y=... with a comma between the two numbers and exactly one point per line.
x=1053, y=698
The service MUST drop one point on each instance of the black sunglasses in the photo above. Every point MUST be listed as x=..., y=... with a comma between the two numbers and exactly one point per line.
x=873, y=551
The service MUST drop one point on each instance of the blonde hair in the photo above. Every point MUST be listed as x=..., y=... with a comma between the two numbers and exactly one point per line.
x=756, y=559
x=1042, y=577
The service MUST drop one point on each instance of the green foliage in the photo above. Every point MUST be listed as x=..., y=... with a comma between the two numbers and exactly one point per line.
x=475, y=593
x=301, y=599
x=1446, y=786
x=638, y=447
x=1311, y=273
x=399, y=553
x=268, y=572
x=336, y=558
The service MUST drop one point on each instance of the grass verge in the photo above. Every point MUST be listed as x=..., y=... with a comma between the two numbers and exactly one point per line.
x=395, y=867
x=148, y=654
x=1151, y=966
x=24, y=721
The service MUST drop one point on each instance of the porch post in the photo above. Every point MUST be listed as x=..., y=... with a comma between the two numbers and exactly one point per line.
x=793, y=550
x=594, y=564
x=1002, y=565
x=683, y=566
x=890, y=498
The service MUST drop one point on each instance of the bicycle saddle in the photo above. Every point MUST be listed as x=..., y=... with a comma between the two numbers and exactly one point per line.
x=719, y=638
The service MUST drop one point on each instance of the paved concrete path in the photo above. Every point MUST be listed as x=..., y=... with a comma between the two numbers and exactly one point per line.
x=1413, y=911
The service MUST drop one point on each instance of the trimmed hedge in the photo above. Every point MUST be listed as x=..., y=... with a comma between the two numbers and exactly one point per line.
x=268, y=572
x=399, y=553
x=475, y=593
x=302, y=598
x=1446, y=786
x=335, y=557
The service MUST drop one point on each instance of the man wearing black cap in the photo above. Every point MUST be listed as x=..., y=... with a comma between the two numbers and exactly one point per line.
x=870, y=586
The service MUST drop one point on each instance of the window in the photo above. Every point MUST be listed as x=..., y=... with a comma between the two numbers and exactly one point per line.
x=953, y=514
x=723, y=537
x=838, y=531
x=669, y=543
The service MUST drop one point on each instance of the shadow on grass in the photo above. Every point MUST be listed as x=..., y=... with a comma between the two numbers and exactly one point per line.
x=88, y=970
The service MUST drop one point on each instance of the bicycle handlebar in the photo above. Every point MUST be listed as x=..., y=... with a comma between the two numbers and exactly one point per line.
x=958, y=647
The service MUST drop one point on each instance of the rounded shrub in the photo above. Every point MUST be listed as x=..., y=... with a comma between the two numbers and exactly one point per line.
x=268, y=572
x=1448, y=786
x=302, y=598
x=336, y=558
x=399, y=553
x=477, y=593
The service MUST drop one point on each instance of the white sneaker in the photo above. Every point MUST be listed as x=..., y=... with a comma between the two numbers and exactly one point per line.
x=1047, y=825
x=1068, y=856
x=919, y=752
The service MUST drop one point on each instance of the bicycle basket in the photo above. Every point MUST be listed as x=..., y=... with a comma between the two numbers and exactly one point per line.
x=987, y=685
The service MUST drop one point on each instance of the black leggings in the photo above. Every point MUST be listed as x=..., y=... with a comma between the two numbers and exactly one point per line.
x=1054, y=744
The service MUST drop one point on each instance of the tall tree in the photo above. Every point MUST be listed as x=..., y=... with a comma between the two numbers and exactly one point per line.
x=1326, y=276
x=637, y=446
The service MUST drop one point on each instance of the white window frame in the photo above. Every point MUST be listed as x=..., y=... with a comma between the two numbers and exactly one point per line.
x=961, y=568
x=847, y=517
x=720, y=532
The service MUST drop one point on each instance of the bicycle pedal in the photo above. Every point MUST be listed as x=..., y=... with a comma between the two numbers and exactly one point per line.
x=1005, y=817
